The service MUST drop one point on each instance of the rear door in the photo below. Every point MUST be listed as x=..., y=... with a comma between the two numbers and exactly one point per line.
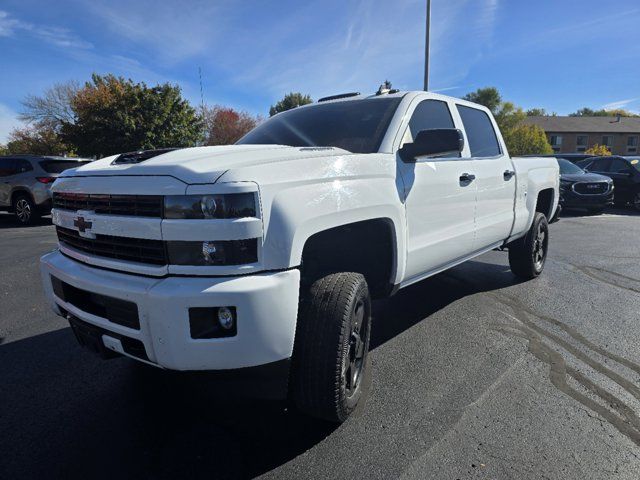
x=495, y=178
x=7, y=172
x=439, y=202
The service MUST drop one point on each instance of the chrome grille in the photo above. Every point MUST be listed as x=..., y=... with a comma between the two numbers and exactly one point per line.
x=132, y=205
x=122, y=248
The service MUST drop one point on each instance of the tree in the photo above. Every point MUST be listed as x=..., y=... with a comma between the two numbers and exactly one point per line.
x=53, y=108
x=536, y=112
x=226, y=126
x=588, y=112
x=37, y=140
x=488, y=96
x=113, y=115
x=290, y=100
x=4, y=150
x=598, y=151
x=509, y=116
x=527, y=140
x=521, y=139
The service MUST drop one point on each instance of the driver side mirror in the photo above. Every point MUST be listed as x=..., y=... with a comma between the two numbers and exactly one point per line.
x=436, y=142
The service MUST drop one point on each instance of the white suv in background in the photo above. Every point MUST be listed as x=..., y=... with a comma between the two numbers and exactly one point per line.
x=25, y=183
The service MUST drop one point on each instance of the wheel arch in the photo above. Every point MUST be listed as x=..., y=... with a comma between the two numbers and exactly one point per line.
x=19, y=191
x=367, y=246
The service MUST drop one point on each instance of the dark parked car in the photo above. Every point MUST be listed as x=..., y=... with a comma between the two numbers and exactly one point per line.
x=583, y=190
x=625, y=173
x=25, y=183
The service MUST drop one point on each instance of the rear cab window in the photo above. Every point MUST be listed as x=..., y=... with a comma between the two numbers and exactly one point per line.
x=59, y=166
x=481, y=136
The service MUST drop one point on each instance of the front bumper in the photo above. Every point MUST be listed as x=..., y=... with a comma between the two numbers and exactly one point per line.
x=266, y=308
x=570, y=199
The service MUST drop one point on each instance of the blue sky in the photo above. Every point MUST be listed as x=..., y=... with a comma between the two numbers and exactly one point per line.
x=556, y=54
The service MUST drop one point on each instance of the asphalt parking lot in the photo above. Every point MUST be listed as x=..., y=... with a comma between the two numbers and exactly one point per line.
x=474, y=376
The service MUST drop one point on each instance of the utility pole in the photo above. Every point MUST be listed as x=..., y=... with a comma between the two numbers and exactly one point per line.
x=426, y=48
x=204, y=112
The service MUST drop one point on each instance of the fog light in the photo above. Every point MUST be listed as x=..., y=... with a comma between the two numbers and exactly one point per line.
x=225, y=317
x=212, y=322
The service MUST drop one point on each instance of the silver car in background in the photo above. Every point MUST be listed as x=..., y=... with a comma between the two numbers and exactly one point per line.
x=25, y=183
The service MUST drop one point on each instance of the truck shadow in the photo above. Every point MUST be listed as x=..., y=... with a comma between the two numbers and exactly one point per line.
x=67, y=414
x=8, y=220
x=623, y=211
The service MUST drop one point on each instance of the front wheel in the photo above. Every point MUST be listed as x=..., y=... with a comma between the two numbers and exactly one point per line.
x=528, y=254
x=331, y=346
x=636, y=201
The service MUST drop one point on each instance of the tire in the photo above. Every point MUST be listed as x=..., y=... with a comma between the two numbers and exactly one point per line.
x=24, y=209
x=596, y=211
x=636, y=201
x=528, y=254
x=331, y=347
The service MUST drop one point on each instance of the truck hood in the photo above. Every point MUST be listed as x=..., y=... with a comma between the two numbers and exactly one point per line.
x=203, y=164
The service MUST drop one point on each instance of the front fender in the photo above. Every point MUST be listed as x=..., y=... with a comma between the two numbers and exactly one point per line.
x=294, y=214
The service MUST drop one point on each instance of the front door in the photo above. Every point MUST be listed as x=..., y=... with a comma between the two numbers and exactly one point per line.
x=440, y=197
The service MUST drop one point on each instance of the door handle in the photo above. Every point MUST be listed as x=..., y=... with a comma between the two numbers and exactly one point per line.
x=508, y=174
x=467, y=178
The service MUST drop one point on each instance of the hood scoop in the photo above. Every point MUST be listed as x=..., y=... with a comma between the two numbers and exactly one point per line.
x=139, y=156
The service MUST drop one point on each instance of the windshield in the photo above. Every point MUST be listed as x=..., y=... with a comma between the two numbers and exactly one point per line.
x=59, y=166
x=357, y=126
x=566, y=167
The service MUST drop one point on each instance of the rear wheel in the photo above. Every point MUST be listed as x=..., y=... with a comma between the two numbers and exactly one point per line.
x=331, y=346
x=636, y=200
x=24, y=209
x=528, y=254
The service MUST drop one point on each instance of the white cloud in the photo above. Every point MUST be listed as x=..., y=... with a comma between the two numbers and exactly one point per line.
x=8, y=121
x=7, y=25
x=619, y=104
x=307, y=48
x=173, y=30
x=52, y=35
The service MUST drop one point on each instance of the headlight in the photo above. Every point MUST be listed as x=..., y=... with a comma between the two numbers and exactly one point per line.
x=221, y=252
x=232, y=205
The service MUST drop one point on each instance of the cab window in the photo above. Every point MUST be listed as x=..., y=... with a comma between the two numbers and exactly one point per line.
x=430, y=114
x=482, y=138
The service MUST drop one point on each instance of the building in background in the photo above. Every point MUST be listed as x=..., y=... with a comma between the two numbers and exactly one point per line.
x=576, y=134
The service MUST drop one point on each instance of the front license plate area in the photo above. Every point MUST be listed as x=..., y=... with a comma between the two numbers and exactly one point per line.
x=90, y=337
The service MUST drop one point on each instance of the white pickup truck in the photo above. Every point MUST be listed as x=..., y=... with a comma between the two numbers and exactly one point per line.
x=260, y=259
